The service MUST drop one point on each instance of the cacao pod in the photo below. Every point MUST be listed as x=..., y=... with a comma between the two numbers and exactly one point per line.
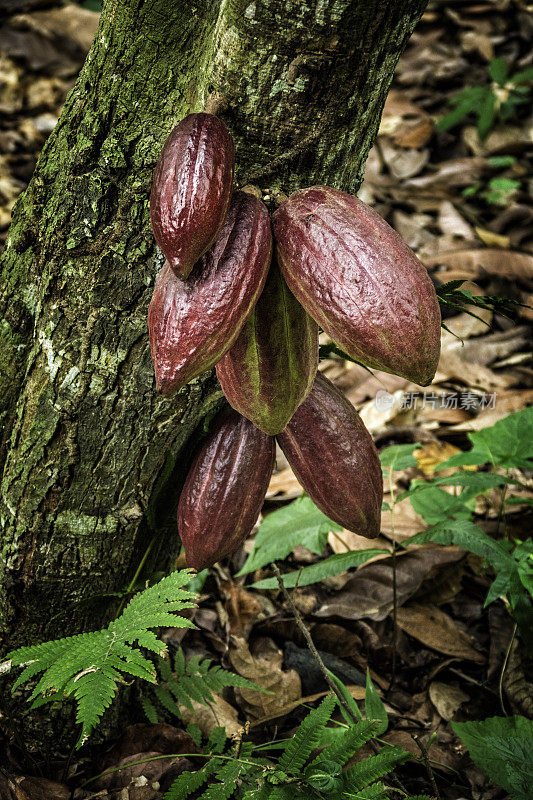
x=224, y=489
x=359, y=280
x=334, y=458
x=191, y=189
x=271, y=367
x=193, y=323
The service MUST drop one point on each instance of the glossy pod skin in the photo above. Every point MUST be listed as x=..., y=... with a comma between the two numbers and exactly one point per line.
x=193, y=323
x=191, y=189
x=224, y=489
x=334, y=458
x=359, y=280
x=271, y=367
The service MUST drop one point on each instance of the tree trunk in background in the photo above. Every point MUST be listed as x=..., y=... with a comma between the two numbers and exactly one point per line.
x=91, y=456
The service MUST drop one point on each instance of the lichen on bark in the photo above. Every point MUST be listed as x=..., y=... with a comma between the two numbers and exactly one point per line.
x=90, y=455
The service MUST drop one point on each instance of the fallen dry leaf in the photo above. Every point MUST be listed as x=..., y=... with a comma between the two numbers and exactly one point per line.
x=492, y=239
x=284, y=486
x=218, y=713
x=346, y=541
x=447, y=699
x=243, y=608
x=430, y=455
x=264, y=667
x=406, y=521
x=437, y=630
x=369, y=593
x=506, y=263
x=357, y=692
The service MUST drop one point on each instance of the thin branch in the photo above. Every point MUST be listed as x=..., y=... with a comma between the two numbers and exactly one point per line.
x=429, y=769
x=504, y=667
x=307, y=636
x=316, y=655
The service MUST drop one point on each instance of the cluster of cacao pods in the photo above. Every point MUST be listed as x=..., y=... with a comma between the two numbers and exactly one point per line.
x=224, y=298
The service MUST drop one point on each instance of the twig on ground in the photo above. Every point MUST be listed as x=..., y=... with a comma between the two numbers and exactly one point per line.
x=424, y=750
x=316, y=655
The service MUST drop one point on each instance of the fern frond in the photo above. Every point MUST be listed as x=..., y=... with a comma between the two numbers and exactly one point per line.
x=305, y=739
x=166, y=700
x=375, y=792
x=216, y=741
x=226, y=779
x=350, y=741
x=149, y=710
x=89, y=666
x=195, y=680
x=189, y=782
x=373, y=768
x=195, y=733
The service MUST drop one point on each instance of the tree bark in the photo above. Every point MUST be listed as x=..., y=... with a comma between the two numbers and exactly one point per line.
x=91, y=456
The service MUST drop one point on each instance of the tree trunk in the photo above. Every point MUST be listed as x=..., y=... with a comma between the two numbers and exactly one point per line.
x=91, y=456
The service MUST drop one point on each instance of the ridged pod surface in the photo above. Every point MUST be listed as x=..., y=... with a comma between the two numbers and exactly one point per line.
x=334, y=458
x=191, y=189
x=359, y=280
x=224, y=489
x=193, y=323
x=271, y=367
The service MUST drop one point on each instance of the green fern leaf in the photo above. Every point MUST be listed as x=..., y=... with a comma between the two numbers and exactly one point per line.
x=195, y=733
x=226, y=779
x=189, y=782
x=299, y=748
x=89, y=666
x=167, y=701
x=196, y=681
x=350, y=741
x=374, y=767
x=150, y=710
x=375, y=792
x=216, y=741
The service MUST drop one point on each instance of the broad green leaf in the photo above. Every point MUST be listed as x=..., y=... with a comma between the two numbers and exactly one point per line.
x=374, y=708
x=525, y=76
x=468, y=536
x=498, y=70
x=486, y=115
x=399, y=456
x=522, y=605
x=350, y=702
x=481, y=481
x=301, y=522
x=334, y=565
x=435, y=505
x=508, y=443
x=502, y=747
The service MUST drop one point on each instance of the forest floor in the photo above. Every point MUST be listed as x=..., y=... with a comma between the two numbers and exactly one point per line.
x=436, y=654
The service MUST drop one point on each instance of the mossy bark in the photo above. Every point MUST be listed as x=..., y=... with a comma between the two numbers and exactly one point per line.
x=90, y=454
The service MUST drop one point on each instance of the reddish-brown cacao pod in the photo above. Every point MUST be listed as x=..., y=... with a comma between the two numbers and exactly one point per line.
x=191, y=189
x=271, y=367
x=334, y=458
x=193, y=323
x=224, y=489
x=359, y=280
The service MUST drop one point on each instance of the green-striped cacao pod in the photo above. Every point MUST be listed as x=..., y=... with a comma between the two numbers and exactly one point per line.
x=334, y=458
x=193, y=323
x=359, y=280
x=224, y=489
x=271, y=367
x=191, y=189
